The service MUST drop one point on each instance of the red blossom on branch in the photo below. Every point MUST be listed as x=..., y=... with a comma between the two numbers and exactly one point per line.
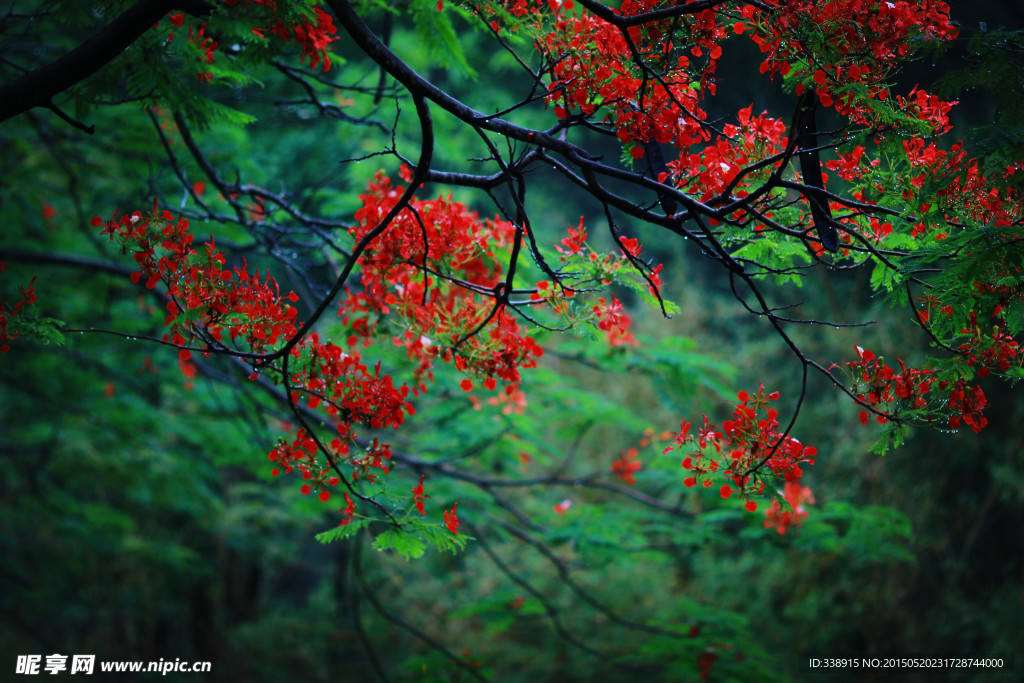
x=7, y=315
x=626, y=465
x=451, y=520
x=613, y=320
x=313, y=34
x=444, y=317
x=348, y=511
x=785, y=518
x=892, y=394
x=213, y=307
x=575, y=242
x=419, y=496
x=743, y=450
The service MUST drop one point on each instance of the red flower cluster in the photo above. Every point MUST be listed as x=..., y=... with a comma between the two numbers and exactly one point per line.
x=845, y=42
x=850, y=165
x=838, y=47
x=609, y=268
x=990, y=348
x=592, y=70
x=351, y=390
x=878, y=385
x=28, y=297
x=206, y=46
x=205, y=300
x=575, y=243
x=353, y=394
x=967, y=405
x=434, y=269
x=957, y=182
x=747, y=445
x=796, y=496
x=348, y=512
x=929, y=108
x=314, y=36
x=218, y=308
x=626, y=465
x=301, y=453
x=613, y=320
x=418, y=495
x=451, y=520
x=709, y=171
x=838, y=43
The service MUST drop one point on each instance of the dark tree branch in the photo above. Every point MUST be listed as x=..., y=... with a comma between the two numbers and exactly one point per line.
x=552, y=612
x=810, y=168
x=71, y=260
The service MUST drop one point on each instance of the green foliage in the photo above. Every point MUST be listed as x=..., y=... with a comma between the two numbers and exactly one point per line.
x=783, y=256
x=29, y=326
x=153, y=72
x=436, y=32
x=994, y=66
x=413, y=538
x=407, y=545
x=676, y=365
x=861, y=534
x=342, y=532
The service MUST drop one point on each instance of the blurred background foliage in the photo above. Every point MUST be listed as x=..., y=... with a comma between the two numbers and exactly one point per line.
x=140, y=521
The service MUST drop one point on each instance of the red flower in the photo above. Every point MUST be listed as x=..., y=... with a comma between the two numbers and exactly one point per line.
x=625, y=465
x=28, y=297
x=782, y=519
x=451, y=520
x=631, y=245
x=614, y=321
x=419, y=496
x=575, y=241
x=349, y=510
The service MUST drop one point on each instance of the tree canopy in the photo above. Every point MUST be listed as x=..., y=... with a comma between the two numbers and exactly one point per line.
x=592, y=321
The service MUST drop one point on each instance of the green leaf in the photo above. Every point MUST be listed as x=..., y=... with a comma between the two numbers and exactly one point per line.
x=405, y=544
x=441, y=539
x=437, y=34
x=342, y=532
